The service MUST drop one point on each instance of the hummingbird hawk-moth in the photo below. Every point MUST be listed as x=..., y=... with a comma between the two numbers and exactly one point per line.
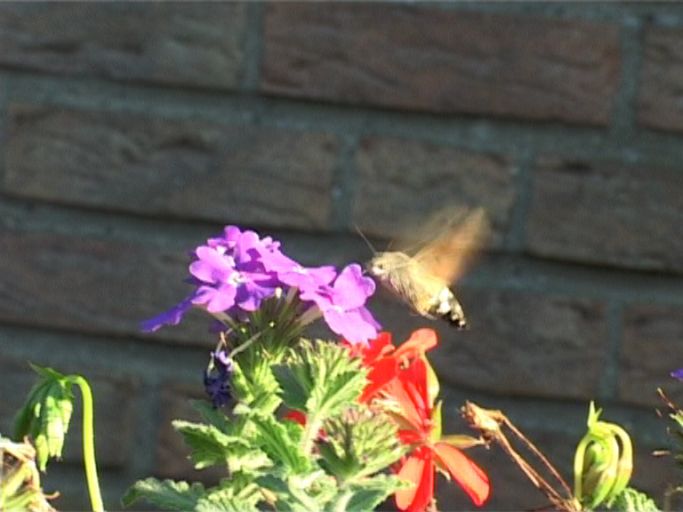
x=422, y=276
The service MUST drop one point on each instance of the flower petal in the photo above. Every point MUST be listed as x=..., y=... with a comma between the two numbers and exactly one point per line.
x=678, y=374
x=469, y=476
x=350, y=324
x=379, y=376
x=420, y=341
x=171, y=317
x=351, y=288
x=419, y=469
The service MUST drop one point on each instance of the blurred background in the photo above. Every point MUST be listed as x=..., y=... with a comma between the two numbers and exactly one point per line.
x=130, y=132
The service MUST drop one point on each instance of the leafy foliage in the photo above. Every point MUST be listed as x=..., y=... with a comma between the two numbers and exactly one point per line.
x=333, y=462
x=166, y=494
x=631, y=500
x=359, y=443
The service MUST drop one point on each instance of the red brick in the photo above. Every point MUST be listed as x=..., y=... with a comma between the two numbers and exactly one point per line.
x=180, y=43
x=519, y=343
x=400, y=181
x=445, y=61
x=188, y=169
x=607, y=213
x=114, y=411
x=652, y=348
x=91, y=284
x=660, y=97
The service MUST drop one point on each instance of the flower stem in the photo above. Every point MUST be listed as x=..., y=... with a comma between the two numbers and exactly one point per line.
x=89, y=443
x=311, y=431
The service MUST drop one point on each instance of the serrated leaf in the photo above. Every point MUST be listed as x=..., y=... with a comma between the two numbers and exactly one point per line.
x=166, y=494
x=227, y=500
x=209, y=445
x=258, y=390
x=211, y=415
x=281, y=441
x=359, y=444
x=301, y=493
x=321, y=379
x=373, y=491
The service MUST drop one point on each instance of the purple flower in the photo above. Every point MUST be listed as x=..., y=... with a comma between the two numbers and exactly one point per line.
x=228, y=273
x=217, y=378
x=171, y=317
x=294, y=274
x=235, y=272
x=343, y=304
x=678, y=374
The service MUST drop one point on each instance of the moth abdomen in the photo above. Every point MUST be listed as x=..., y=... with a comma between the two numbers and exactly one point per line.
x=447, y=307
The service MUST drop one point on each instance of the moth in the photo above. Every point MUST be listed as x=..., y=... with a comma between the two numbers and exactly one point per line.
x=422, y=276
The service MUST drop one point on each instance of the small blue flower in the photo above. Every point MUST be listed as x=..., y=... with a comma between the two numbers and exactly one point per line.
x=217, y=378
x=678, y=374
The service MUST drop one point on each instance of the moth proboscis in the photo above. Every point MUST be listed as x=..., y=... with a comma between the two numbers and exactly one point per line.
x=422, y=273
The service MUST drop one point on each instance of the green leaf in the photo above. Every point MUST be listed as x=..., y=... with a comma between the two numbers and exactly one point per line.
x=211, y=415
x=165, y=494
x=373, y=491
x=300, y=493
x=209, y=445
x=359, y=443
x=256, y=390
x=46, y=414
x=320, y=379
x=228, y=500
x=632, y=500
x=281, y=441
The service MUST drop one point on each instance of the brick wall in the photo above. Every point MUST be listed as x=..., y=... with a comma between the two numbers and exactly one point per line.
x=131, y=132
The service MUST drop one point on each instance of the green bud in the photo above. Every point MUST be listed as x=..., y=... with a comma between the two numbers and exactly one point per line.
x=603, y=462
x=46, y=414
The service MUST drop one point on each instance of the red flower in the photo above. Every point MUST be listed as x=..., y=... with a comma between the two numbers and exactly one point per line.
x=384, y=360
x=410, y=400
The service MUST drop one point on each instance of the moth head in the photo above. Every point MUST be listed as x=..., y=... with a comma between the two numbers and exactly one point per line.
x=385, y=262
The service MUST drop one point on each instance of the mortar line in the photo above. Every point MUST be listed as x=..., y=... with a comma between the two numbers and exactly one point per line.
x=148, y=423
x=609, y=380
x=4, y=126
x=623, y=125
x=344, y=184
x=515, y=239
x=234, y=107
x=253, y=47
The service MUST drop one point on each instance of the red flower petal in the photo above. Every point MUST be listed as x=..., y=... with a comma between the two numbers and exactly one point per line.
x=382, y=372
x=296, y=416
x=420, y=341
x=419, y=469
x=414, y=380
x=469, y=476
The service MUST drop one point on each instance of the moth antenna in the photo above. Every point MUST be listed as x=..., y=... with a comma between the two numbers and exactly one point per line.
x=367, y=242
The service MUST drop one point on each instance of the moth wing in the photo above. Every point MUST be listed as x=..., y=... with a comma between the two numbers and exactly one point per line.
x=450, y=240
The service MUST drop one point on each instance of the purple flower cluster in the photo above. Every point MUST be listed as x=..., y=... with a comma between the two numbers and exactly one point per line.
x=238, y=271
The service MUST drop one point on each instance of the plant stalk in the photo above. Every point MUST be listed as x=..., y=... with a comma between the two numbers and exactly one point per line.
x=89, y=444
